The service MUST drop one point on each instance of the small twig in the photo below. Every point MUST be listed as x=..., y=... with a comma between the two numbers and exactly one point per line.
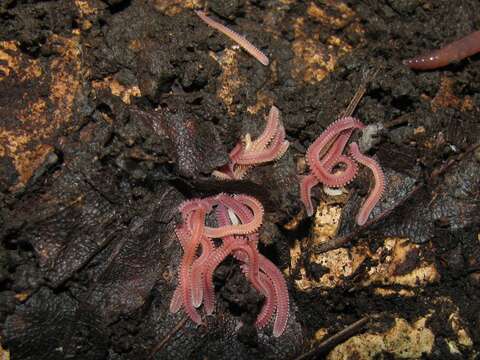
x=167, y=338
x=339, y=242
x=336, y=339
x=402, y=120
x=362, y=89
x=473, y=269
x=446, y=166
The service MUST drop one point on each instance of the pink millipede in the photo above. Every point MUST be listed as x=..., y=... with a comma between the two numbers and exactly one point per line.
x=272, y=127
x=281, y=293
x=239, y=39
x=306, y=184
x=378, y=187
x=185, y=267
x=324, y=141
x=195, y=286
x=455, y=51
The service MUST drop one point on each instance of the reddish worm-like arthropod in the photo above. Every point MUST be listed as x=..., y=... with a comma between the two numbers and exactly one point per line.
x=378, y=188
x=239, y=39
x=455, y=51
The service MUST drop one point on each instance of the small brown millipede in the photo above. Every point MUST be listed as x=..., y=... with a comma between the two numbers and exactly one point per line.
x=455, y=51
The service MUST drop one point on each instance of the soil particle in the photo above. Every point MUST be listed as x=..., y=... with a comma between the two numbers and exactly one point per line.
x=31, y=23
x=227, y=9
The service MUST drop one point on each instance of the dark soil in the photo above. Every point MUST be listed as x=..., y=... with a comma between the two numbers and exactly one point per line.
x=89, y=193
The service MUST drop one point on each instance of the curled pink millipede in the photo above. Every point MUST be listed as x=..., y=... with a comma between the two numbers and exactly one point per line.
x=238, y=218
x=328, y=141
x=455, y=51
x=331, y=167
x=271, y=145
x=378, y=188
x=239, y=39
x=324, y=156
